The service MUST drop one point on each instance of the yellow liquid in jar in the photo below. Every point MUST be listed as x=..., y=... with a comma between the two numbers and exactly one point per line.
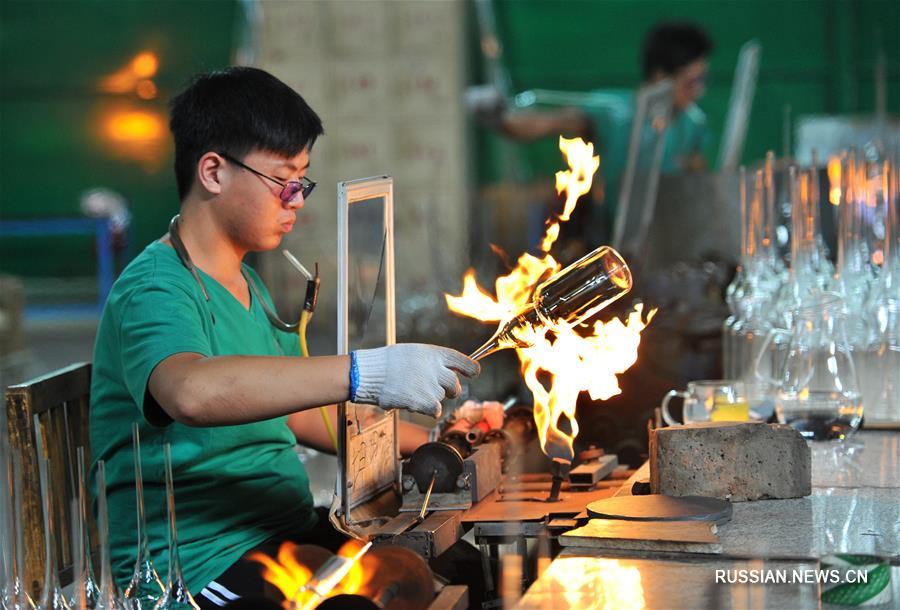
x=735, y=411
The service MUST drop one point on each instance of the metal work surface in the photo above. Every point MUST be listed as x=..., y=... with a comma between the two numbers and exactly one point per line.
x=853, y=508
x=586, y=580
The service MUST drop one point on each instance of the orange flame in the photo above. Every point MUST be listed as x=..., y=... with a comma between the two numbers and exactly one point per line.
x=570, y=361
x=289, y=575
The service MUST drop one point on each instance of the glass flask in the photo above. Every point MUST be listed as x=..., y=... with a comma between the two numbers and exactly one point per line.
x=84, y=581
x=110, y=598
x=853, y=275
x=818, y=391
x=52, y=597
x=145, y=587
x=572, y=295
x=805, y=279
x=176, y=595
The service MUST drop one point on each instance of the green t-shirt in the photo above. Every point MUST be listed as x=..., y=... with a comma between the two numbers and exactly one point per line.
x=612, y=112
x=235, y=486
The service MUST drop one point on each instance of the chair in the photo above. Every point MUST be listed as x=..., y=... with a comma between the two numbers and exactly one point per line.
x=60, y=400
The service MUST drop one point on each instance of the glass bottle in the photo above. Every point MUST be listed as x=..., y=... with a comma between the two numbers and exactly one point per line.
x=853, y=276
x=818, y=390
x=84, y=580
x=176, y=595
x=145, y=587
x=572, y=295
x=804, y=279
x=110, y=598
x=52, y=597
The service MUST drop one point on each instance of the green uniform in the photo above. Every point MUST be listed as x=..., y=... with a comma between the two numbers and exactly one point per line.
x=611, y=113
x=235, y=486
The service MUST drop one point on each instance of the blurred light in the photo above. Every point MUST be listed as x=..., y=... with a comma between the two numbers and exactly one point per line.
x=834, y=178
x=134, y=126
x=145, y=64
x=878, y=257
x=146, y=90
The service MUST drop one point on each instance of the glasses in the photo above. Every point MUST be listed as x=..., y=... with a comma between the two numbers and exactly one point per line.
x=289, y=190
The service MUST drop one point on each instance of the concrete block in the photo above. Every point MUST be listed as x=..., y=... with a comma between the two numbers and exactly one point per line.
x=730, y=461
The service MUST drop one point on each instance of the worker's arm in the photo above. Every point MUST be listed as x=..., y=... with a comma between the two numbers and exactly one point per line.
x=531, y=125
x=219, y=391
x=309, y=428
x=196, y=390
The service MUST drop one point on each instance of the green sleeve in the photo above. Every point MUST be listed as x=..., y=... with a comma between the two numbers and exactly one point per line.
x=158, y=320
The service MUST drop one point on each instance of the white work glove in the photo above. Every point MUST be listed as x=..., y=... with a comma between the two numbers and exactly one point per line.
x=410, y=376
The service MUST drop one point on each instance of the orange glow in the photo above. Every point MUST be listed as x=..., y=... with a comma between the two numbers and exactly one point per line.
x=591, y=583
x=834, y=179
x=289, y=575
x=878, y=257
x=573, y=361
x=134, y=77
x=134, y=126
x=144, y=65
x=146, y=90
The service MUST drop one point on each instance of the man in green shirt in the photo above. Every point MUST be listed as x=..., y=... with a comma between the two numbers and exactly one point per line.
x=185, y=349
x=670, y=50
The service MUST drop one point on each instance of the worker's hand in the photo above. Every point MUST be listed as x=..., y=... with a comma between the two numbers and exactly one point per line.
x=409, y=376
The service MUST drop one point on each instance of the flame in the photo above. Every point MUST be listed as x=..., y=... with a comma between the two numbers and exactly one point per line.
x=569, y=361
x=834, y=179
x=289, y=575
x=590, y=583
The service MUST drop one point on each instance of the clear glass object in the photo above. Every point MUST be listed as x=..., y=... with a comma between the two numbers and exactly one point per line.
x=110, y=598
x=176, y=595
x=709, y=400
x=145, y=587
x=818, y=390
x=15, y=597
x=84, y=584
x=52, y=597
x=880, y=366
x=571, y=295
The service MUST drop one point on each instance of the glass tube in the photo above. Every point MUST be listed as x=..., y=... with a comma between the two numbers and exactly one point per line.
x=145, y=587
x=109, y=599
x=84, y=583
x=17, y=597
x=176, y=595
x=734, y=293
x=52, y=597
x=571, y=295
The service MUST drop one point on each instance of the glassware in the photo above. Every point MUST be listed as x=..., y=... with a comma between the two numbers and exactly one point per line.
x=853, y=275
x=709, y=400
x=110, y=598
x=52, y=597
x=734, y=293
x=818, y=390
x=85, y=585
x=145, y=587
x=572, y=295
x=15, y=595
x=880, y=369
x=176, y=595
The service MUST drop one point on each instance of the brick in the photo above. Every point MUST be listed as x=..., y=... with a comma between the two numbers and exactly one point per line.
x=730, y=461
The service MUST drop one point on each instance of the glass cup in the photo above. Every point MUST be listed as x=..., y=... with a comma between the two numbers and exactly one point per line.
x=709, y=400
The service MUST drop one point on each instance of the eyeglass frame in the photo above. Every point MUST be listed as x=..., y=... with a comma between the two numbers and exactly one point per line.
x=305, y=189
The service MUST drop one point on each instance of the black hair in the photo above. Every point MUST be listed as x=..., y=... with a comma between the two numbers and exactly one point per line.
x=237, y=110
x=668, y=47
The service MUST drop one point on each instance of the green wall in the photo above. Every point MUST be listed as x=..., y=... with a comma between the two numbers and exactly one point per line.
x=818, y=56
x=52, y=57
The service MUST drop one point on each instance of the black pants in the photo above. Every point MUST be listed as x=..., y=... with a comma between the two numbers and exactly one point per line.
x=242, y=585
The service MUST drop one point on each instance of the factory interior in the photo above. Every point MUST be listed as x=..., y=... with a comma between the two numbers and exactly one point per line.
x=449, y=304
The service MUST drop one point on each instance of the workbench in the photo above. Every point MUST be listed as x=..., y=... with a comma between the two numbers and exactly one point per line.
x=854, y=508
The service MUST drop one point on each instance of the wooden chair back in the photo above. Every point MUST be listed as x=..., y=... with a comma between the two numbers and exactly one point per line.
x=60, y=400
